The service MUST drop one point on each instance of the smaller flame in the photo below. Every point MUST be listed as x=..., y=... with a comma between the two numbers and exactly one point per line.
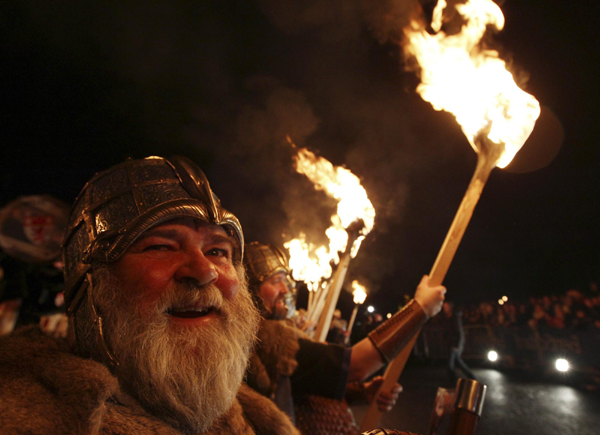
x=461, y=77
x=359, y=292
x=339, y=183
x=309, y=263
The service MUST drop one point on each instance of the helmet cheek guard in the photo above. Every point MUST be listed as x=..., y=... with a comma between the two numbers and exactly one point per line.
x=118, y=205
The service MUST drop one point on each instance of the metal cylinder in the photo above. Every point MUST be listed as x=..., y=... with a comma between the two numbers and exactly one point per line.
x=468, y=404
x=469, y=395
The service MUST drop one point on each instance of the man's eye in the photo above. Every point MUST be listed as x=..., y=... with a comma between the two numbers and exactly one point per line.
x=157, y=248
x=218, y=252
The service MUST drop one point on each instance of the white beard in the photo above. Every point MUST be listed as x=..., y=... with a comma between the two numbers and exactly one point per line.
x=186, y=377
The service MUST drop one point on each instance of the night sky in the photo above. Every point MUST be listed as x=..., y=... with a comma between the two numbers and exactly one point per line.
x=85, y=85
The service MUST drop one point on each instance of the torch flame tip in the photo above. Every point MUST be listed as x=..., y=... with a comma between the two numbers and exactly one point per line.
x=460, y=76
x=359, y=292
x=291, y=142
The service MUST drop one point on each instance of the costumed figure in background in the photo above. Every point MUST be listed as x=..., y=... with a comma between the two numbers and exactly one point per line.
x=31, y=231
x=338, y=329
x=453, y=318
x=309, y=380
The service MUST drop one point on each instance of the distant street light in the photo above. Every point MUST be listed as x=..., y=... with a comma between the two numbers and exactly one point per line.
x=562, y=365
x=370, y=308
x=493, y=355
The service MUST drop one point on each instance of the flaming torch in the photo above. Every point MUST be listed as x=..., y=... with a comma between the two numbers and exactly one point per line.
x=354, y=219
x=459, y=76
x=359, y=294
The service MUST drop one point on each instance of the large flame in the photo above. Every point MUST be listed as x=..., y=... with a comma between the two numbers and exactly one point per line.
x=311, y=263
x=359, y=292
x=461, y=77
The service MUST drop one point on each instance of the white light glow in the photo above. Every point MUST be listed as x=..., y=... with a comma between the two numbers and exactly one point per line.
x=562, y=365
x=493, y=355
x=370, y=308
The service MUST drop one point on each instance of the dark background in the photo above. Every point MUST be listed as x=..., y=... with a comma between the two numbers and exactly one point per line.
x=84, y=85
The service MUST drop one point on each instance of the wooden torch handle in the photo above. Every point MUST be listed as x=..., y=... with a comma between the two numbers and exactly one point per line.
x=436, y=277
x=336, y=284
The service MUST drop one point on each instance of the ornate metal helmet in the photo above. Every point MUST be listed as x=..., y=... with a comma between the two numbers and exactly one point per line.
x=116, y=206
x=262, y=262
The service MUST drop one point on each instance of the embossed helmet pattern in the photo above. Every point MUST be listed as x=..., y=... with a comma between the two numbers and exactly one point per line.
x=264, y=261
x=117, y=205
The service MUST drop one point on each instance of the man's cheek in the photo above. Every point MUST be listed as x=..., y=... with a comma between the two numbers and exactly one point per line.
x=145, y=298
x=228, y=283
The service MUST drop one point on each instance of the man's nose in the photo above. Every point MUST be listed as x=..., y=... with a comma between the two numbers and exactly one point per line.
x=198, y=268
x=283, y=288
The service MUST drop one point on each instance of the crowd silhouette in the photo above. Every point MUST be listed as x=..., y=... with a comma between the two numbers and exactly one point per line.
x=573, y=309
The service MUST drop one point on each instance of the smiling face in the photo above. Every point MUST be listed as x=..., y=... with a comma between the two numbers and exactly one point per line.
x=178, y=251
x=180, y=321
x=276, y=295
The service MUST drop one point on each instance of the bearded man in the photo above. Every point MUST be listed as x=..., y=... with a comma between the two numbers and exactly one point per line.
x=161, y=321
x=308, y=380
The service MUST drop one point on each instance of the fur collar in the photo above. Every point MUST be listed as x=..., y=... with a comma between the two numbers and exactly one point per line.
x=45, y=389
x=274, y=355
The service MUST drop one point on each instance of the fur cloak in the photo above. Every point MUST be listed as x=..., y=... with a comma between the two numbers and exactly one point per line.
x=275, y=356
x=45, y=389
